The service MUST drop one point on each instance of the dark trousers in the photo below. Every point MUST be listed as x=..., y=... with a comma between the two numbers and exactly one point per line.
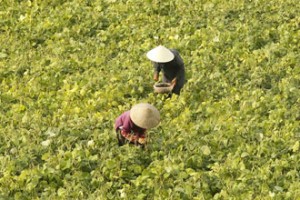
x=121, y=139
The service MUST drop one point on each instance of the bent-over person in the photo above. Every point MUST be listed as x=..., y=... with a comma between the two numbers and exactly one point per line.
x=131, y=126
x=170, y=63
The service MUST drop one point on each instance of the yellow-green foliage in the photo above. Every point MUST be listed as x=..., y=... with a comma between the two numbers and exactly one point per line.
x=69, y=68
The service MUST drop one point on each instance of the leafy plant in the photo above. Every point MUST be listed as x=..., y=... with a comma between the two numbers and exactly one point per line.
x=69, y=68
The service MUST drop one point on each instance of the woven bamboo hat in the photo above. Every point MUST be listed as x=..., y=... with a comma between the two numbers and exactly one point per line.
x=160, y=54
x=145, y=115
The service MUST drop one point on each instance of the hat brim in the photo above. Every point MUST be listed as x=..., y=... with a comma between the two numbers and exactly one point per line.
x=160, y=54
x=145, y=115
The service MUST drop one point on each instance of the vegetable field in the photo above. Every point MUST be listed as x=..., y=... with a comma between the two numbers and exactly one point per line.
x=69, y=68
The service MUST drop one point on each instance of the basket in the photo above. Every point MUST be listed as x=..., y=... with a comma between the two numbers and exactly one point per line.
x=162, y=87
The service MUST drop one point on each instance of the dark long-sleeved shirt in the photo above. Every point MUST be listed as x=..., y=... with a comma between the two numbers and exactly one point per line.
x=173, y=69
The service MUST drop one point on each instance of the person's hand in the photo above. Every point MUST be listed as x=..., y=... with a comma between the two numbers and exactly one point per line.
x=173, y=82
x=142, y=140
x=155, y=76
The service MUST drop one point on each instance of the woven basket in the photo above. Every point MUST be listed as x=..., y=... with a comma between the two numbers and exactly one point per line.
x=162, y=87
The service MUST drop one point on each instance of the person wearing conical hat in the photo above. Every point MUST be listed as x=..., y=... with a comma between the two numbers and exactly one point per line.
x=171, y=64
x=131, y=126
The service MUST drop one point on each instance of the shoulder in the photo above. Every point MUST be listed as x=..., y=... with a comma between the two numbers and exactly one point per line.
x=176, y=54
x=174, y=51
x=178, y=58
x=124, y=120
x=125, y=115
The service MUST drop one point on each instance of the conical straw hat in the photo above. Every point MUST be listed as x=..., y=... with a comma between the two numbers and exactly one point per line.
x=145, y=115
x=160, y=54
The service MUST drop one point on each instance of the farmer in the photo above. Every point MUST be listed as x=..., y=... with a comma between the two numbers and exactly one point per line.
x=131, y=125
x=171, y=64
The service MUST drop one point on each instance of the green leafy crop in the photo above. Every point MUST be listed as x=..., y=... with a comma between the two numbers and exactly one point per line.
x=69, y=68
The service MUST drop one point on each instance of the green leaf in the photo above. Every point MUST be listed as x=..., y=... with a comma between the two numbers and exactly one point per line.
x=61, y=192
x=295, y=147
x=205, y=150
x=3, y=55
x=244, y=154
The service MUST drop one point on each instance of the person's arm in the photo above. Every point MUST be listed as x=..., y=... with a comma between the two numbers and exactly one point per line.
x=155, y=76
x=180, y=68
x=136, y=137
x=156, y=71
x=127, y=134
x=142, y=138
x=173, y=82
x=179, y=75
